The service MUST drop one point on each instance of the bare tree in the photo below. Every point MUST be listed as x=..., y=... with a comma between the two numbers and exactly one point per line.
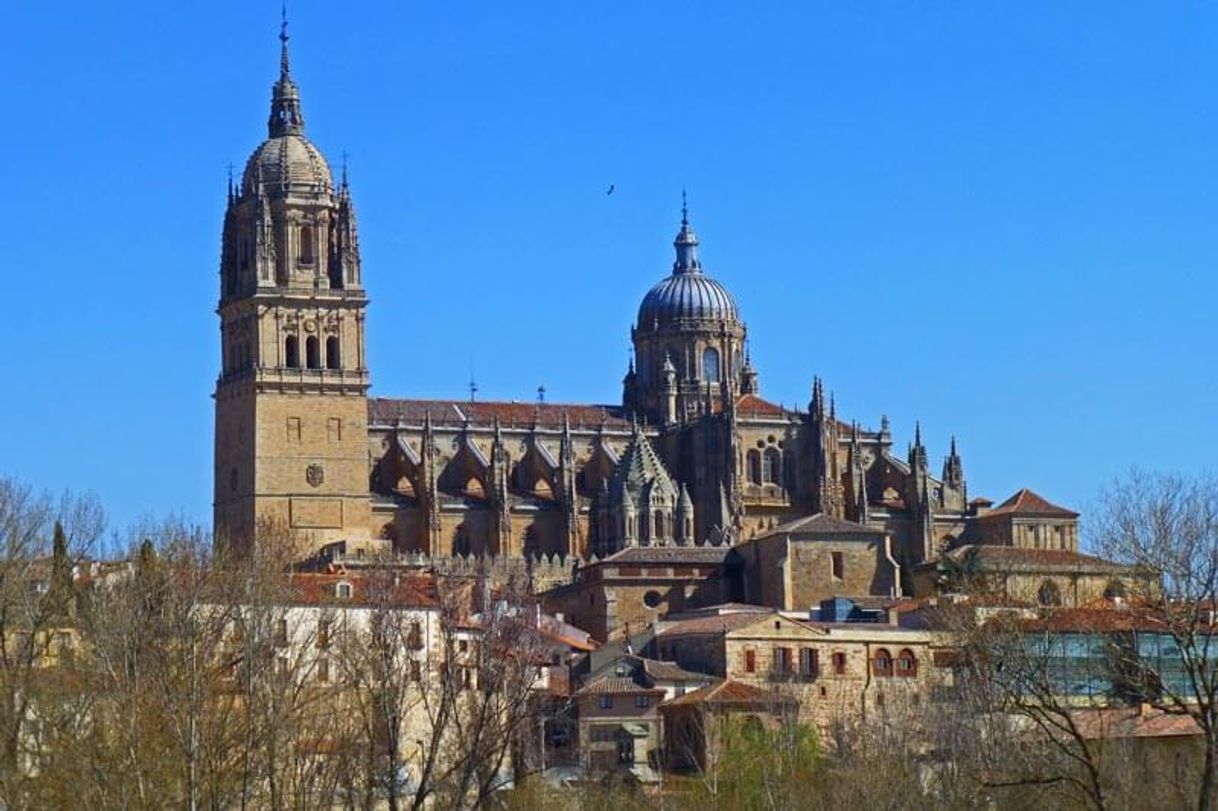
x=41, y=541
x=1167, y=525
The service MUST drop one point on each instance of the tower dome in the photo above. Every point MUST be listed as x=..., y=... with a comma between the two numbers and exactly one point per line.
x=286, y=161
x=687, y=341
x=688, y=294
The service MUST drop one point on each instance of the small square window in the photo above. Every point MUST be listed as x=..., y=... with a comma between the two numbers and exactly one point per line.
x=642, y=702
x=606, y=702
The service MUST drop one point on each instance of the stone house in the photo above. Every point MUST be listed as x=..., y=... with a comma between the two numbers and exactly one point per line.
x=836, y=671
x=635, y=587
x=693, y=723
x=617, y=704
x=796, y=565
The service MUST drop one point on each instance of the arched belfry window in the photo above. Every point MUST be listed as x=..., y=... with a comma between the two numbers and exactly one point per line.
x=308, y=245
x=312, y=352
x=333, y=358
x=755, y=467
x=771, y=470
x=291, y=352
x=710, y=364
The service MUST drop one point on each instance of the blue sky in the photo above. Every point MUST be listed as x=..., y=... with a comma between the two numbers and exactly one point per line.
x=995, y=217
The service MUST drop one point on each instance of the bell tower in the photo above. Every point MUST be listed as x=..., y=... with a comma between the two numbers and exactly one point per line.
x=291, y=407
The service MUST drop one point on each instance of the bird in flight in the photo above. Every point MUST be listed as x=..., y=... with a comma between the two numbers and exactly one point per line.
x=611, y=188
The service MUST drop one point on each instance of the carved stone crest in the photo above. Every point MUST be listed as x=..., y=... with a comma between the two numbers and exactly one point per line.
x=315, y=475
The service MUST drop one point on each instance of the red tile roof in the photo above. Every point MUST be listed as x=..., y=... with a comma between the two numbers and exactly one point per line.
x=734, y=694
x=385, y=411
x=994, y=555
x=714, y=624
x=821, y=524
x=1133, y=722
x=308, y=588
x=1025, y=502
x=751, y=404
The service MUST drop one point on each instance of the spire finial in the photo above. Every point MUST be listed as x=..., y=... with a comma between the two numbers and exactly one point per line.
x=686, y=242
x=918, y=433
x=286, y=117
x=283, y=40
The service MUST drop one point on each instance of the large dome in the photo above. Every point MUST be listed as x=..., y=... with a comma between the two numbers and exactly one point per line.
x=287, y=160
x=688, y=293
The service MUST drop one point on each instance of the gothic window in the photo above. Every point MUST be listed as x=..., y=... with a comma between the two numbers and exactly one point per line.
x=312, y=352
x=308, y=247
x=755, y=467
x=659, y=524
x=291, y=352
x=710, y=365
x=333, y=359
x=1049, y=594
x=771, y=470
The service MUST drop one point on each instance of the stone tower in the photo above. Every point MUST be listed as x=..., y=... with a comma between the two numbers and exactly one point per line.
x=291, y=407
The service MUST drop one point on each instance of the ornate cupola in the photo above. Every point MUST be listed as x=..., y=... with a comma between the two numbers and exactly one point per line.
x=293, y=370
x=688, y=322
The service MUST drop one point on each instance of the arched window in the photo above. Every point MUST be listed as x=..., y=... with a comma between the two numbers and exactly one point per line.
x=312, y=352
x=710, y=365
x=907, y=664
x=308, y=246
x=771, y=470
x=291, y=352
x=333, y=358
x=755, y=467
x=883, y=662
x=1049, y=594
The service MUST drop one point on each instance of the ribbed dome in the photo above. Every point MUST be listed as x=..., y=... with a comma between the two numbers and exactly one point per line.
x=290, y=159
x=688, y=292
x=687, y=295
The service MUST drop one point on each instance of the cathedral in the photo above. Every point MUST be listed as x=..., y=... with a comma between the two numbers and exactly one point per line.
x=692, y=456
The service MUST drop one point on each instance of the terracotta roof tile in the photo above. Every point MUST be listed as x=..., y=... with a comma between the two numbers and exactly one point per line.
x=751, y=404
x=1025, y=502
x=1016, y=556
x=731, y=693
x=386, y=411
x=1133, y=722
x=714, y=624
x=309, y=588
x=821, y=524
